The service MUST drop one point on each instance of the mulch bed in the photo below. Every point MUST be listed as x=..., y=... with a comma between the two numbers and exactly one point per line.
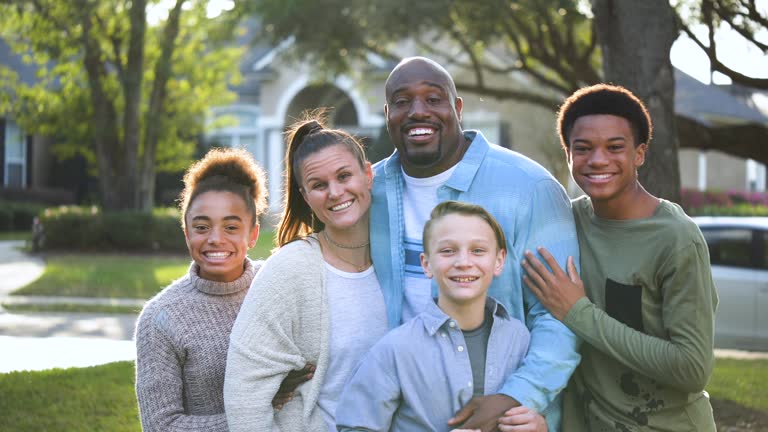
x=732, y=417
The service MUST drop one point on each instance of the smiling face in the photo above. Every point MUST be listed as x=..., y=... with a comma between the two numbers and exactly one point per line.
x=604, y=159
x=337, y=188
x=463, y=257
x=423, y=118
x=219, y=231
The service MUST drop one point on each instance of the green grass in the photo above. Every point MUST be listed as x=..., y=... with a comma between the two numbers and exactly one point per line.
x=102, y=398
x=87, y=275
x=742, y=381
x=70, y=307
x=16, y=235
x=93, y=399
x=116, y=275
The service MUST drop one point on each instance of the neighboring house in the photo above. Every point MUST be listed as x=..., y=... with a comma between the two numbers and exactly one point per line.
x=28, y=170
x=725, y=116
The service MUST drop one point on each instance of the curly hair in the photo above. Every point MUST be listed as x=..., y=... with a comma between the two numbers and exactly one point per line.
x=604, y=99
x=226, y=170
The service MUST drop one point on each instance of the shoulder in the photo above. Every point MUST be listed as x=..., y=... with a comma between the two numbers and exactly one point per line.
x=293, y=275
x=293, y=257
x=677, y=224
x=171, y=297
x=511, y=163
x=401, y=340
x=680, y=232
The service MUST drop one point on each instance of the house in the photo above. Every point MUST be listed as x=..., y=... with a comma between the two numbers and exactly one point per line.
x=28, y=170
x=712, y=118
x=274, y=92
x=285, y=89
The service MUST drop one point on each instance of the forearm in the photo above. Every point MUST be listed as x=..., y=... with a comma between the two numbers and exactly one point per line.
x=683, y=364
x=551, y=359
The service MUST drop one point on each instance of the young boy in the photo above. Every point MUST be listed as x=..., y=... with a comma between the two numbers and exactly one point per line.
x=646, y=306
x=466, y=344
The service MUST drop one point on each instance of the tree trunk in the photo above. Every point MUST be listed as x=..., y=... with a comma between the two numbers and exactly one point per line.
x=131, y=84
x=103, y=120
x=156, y=105
x=635, y=38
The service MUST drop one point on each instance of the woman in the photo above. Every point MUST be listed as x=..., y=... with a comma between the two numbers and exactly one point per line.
x=316, y=300
x=182, y=334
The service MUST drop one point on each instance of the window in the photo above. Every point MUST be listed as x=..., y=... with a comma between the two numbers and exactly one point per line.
x=15, y=172
x=729, y=246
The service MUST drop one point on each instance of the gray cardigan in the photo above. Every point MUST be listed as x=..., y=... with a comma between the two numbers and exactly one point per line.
x=282, y=325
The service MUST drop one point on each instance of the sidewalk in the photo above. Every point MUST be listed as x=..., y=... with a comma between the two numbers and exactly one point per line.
x=44, y=340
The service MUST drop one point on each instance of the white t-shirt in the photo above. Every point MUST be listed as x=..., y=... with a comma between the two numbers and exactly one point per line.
x=358, y=320
x=419, y=198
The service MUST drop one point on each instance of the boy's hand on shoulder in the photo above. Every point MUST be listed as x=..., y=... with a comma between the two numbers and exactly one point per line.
x=557, y=290
x=522, y=419
x=483, y=412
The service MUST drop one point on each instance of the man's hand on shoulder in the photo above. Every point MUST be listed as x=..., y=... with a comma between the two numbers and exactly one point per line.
x=483, y=412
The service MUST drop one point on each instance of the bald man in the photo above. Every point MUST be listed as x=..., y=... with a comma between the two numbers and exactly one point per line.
x=434, y=161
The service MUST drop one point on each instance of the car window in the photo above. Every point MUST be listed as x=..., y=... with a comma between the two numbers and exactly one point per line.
x=764, y=252
x=729, y=246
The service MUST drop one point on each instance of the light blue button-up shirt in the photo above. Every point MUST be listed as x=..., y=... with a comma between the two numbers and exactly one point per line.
x=534, y=210
x=418, y=375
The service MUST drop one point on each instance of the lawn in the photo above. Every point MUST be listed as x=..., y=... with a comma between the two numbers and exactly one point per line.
x=98, y=398
x=741, y=381
x=101, y=398
x=117, y=275
x=15, y=235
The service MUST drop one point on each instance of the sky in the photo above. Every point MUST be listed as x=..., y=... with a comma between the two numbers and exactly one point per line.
x=685, y=55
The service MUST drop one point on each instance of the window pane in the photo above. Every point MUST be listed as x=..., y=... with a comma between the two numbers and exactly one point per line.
x=729, y=246
x=14, y=143
x=15, y=175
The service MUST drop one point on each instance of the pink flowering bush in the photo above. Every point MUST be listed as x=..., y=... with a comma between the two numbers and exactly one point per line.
x=720, y=203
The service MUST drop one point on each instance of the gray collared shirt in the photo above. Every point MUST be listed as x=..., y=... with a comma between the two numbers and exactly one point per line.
x=419, y=374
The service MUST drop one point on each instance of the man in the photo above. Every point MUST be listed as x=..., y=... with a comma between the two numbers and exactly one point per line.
x=646, y=306
x=436, y=161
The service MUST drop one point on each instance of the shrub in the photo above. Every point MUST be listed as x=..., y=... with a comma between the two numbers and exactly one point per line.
x=18, y=216
x=6, y=218
x=90, y=229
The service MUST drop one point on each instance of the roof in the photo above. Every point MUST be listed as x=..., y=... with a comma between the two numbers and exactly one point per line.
x=712, y=105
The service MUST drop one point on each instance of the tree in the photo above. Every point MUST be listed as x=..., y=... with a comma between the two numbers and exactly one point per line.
x=743, y=16
x=556, y=42
x=636, y=38
x=129, y=97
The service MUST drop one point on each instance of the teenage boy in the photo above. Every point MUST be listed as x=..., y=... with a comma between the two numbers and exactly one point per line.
x=463, y=345
x=645, y=302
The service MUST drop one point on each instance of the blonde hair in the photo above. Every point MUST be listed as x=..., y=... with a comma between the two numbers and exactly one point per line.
x=446, y=208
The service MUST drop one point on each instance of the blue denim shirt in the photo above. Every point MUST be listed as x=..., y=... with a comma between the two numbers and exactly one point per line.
x=534, y=210
x=418, y=375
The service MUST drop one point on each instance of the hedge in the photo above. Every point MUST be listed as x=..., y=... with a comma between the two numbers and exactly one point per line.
x=90, y=229
x=17, y=216
x=724, y=203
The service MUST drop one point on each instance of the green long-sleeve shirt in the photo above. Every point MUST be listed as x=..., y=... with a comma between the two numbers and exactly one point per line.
x=648, y=324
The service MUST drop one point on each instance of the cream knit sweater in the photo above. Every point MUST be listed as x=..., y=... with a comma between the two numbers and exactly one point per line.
x=282, y=325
